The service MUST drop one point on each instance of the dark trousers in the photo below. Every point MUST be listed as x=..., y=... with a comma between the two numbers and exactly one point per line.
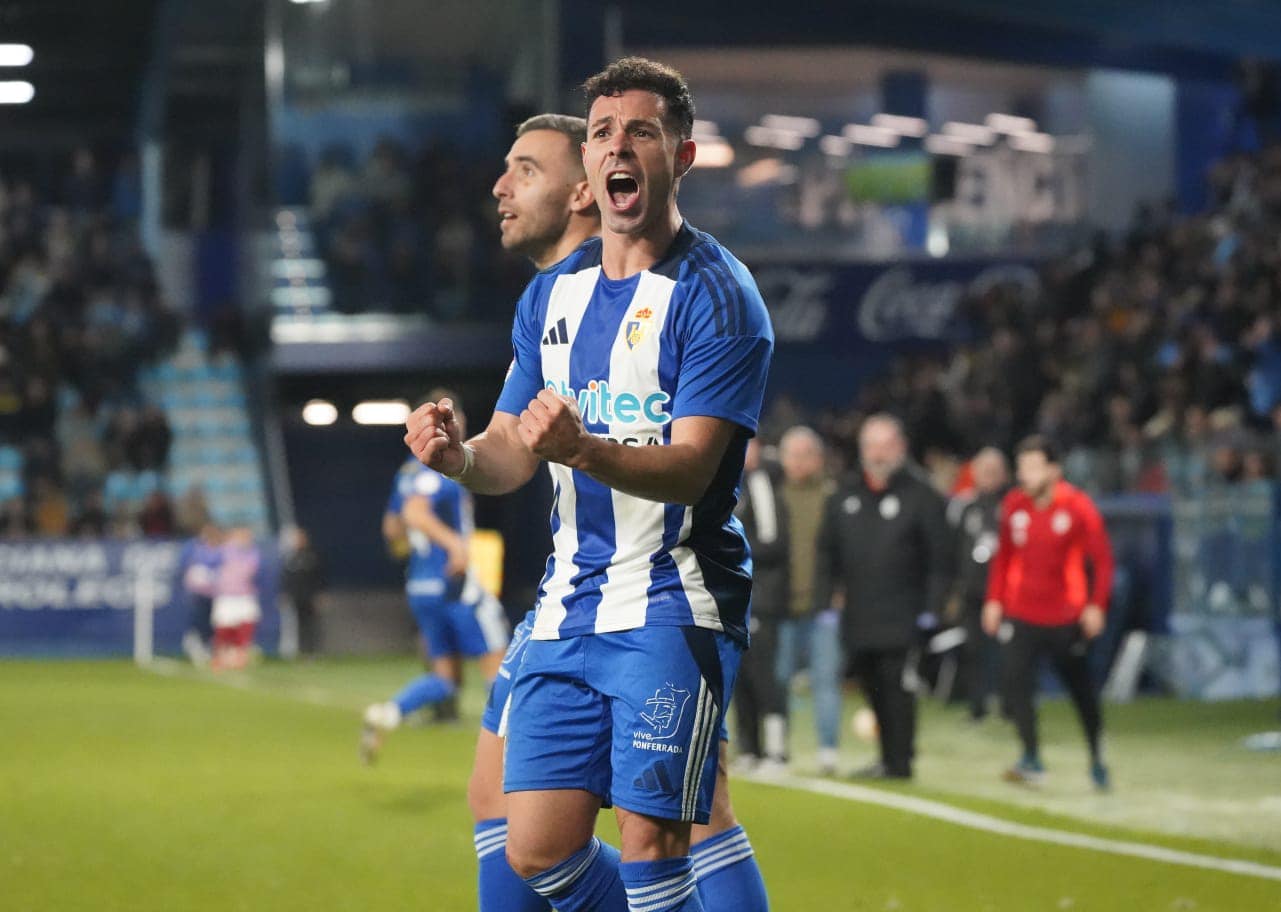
x=758, y=692
x=980, y=663
x=308, y=626
x=889, y=684
x=1066, y=648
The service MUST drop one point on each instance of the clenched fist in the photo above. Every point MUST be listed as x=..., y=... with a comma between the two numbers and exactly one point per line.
x=435, y=437
x=553, y=429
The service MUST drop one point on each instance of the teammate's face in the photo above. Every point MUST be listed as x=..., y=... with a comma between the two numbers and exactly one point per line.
x=537, y=192
x=633, y=160
x=1036, y=474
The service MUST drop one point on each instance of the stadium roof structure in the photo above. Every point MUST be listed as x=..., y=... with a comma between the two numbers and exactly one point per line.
x=105, y=71
x=1180, y=37
x=89, y=58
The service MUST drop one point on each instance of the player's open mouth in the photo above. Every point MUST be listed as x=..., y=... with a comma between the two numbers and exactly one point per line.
x=623, y=191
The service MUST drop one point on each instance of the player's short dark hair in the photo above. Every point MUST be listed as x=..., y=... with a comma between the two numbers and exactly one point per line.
x=1039, y=443
x=649, y=76
x=574, y=128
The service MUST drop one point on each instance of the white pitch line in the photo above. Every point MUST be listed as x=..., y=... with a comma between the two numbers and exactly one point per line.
x=946, y=812
x=309, y=694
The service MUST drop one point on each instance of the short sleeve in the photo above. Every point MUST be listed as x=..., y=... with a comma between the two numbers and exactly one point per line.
x=525, y=376
x=726, y=355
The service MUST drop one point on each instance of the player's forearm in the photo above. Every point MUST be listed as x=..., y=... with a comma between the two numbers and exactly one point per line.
x=668, y=474
x=500, y=464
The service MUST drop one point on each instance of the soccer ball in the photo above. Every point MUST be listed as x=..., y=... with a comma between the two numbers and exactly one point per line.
x=863, y=724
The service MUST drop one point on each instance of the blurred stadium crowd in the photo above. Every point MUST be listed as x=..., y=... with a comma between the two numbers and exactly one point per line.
x=83, y=450
x=406, y=233
x=1154, y=361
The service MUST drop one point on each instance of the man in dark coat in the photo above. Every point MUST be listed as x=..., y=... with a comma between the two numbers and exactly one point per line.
x=975, y=515
x=760, y=699
x=886, y=544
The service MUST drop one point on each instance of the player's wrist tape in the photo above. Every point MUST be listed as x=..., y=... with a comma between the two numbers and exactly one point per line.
x=469, y=462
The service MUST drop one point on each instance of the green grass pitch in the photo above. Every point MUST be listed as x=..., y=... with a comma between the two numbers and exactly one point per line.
x=123, y=789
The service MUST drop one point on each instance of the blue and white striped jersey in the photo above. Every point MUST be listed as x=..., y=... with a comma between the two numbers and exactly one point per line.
x=451, y=503
x=688, y=337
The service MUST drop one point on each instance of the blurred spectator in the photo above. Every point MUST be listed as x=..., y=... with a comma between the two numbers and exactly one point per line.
x=807, y=634
x=302, y=578
x=192, y=511
x=198, y=570
x=13, y=519
x=151, y=439
x=385, y=180
x=975, y=517
x=235, y=600
x=332, y=184
x=156, y=518
x=50, y=510
x=91, y=521
x=83, y=191
x=760, y=699
x=84, y=464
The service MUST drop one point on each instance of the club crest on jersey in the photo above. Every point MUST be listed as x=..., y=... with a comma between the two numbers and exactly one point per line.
x=1061, y=522
x=664, y=711
x=636, y=327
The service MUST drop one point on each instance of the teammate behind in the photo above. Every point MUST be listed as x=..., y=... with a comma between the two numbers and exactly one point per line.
x=455, y=615
x=546, y=211
x=1038, y=586
x=639, y=371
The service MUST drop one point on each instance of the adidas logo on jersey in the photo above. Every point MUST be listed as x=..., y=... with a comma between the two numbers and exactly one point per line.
x=558, y=334
x=655, y=779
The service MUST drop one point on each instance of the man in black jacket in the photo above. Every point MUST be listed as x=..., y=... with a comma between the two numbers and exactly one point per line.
x=885, y=542
x=760, y=699
x=976, y=518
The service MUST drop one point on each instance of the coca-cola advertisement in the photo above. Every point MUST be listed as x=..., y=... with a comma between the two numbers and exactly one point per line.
x=846, y=305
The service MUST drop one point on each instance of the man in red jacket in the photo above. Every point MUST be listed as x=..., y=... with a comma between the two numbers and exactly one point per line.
x=1042, y=602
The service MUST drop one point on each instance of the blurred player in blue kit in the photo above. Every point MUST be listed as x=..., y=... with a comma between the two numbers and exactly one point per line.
x=640, y=363
x=455, y=615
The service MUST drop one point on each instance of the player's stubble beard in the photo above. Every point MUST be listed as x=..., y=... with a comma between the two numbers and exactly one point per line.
x=541, y=239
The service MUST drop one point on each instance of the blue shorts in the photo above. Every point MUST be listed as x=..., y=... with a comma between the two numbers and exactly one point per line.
x=633, y=717
x=495, y=718
x=456, y=628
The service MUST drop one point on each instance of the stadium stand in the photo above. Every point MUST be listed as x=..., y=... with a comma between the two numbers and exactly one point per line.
x=402, y=233
x=108, y=408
